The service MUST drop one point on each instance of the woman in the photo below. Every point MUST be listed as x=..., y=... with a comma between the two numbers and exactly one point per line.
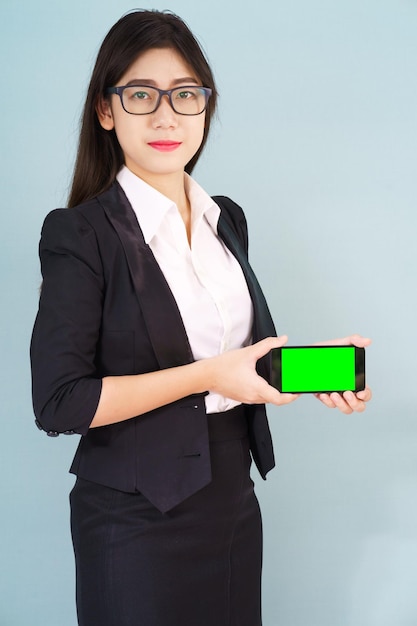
x=152, y=342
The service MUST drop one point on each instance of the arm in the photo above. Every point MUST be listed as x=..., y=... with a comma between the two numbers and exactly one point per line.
x=65, y=387
x=231, y=374
x=67, y=393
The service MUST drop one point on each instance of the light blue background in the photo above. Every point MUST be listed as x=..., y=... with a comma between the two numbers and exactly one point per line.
x=316, y=138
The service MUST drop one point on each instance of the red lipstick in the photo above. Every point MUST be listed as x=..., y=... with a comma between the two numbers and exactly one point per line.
x=164, y=145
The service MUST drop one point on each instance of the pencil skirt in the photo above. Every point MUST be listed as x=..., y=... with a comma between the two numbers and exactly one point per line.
x=197, y=565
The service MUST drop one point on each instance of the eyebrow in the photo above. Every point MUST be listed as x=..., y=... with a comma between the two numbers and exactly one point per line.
x=186, y=80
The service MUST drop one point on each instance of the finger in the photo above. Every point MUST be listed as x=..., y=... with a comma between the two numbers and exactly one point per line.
x=341, y=403
x=358, y=341
x=348, y=403
x=280, y=399
x=271, y=395
x=365, y=394
x=351, y=340
x=266, y=345
x=287, y=398
x=326, y=400
x=355, y=403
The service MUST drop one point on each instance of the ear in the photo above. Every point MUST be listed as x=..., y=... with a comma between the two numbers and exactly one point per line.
x=104, y=114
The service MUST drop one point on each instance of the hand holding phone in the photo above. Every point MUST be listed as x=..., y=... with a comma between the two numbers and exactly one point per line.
x=318, y=369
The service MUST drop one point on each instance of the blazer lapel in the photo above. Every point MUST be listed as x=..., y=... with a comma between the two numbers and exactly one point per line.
x=263, y=325
x=160, y=311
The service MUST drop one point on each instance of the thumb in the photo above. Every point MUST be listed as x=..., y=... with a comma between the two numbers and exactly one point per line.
x=266, y=345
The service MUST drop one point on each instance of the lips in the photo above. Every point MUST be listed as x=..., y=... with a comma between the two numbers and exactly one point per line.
x=164, y=145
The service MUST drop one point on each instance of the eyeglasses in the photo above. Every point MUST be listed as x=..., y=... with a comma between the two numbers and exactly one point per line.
x=142, y=99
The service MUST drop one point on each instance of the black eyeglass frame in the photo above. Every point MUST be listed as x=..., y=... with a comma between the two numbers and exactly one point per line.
x=162, y=92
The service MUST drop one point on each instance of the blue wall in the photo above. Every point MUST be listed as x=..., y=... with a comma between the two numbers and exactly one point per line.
x=316, y=138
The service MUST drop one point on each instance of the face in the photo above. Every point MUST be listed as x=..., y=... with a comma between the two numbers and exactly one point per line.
x=161, y=143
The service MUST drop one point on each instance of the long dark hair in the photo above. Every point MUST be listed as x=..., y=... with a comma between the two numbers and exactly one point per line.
x=99, y=155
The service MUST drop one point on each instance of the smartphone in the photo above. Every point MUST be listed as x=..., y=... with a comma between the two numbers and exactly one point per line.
x=318, y=369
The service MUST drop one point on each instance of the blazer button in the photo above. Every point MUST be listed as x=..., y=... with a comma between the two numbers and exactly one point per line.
x=69, y=432
x=52, y=433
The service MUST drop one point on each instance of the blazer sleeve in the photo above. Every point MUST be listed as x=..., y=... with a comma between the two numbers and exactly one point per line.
x=65, y=387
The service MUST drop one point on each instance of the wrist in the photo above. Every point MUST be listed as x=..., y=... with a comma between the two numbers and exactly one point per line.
x=203, y=375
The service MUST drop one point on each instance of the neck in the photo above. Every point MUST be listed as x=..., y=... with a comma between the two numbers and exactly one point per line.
x=173, y=187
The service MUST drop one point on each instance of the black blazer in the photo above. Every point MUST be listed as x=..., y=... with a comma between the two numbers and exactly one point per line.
x=106, y=309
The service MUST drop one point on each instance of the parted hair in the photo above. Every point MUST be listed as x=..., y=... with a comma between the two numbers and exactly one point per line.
x=99, y=156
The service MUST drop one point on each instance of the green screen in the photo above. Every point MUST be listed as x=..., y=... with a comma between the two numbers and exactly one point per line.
x=329, y=369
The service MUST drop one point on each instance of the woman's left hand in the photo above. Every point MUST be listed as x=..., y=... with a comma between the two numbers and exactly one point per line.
x=348, y=402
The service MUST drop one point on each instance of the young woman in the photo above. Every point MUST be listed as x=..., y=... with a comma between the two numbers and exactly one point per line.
x=152, y=342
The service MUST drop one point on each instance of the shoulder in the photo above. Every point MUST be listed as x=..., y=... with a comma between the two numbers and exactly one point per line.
x=65, y=229
x=70, y=233
x=81, y=221
x=230, y=208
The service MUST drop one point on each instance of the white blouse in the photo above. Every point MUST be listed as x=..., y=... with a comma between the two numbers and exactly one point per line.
x=206, y=279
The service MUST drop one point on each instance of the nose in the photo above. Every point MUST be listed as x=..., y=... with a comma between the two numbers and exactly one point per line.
x=164, y=116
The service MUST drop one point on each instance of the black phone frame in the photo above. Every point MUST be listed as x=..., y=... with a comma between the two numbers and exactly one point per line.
x=276, y=371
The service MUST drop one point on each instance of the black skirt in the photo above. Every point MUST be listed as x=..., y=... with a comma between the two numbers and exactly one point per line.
x=197, y=565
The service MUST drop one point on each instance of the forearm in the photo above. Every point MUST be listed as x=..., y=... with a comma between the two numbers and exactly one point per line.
x=124, y=397
x=231, y=374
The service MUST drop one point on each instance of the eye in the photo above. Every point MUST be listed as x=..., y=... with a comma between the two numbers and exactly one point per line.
x=139, y=95
x=186, y=94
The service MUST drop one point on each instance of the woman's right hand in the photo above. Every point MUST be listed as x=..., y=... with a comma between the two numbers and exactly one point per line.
x=233, y=374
